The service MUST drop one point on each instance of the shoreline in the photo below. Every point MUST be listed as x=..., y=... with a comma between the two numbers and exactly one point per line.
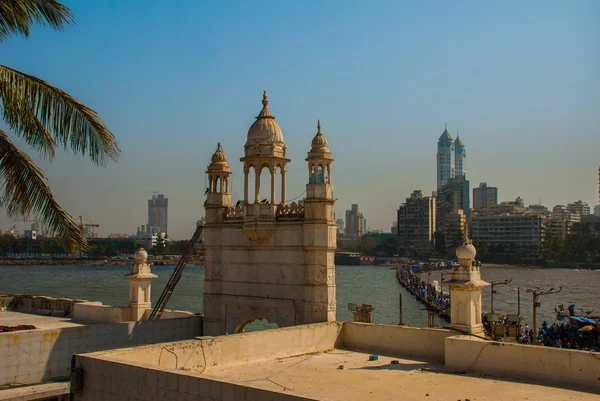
x=90, y=262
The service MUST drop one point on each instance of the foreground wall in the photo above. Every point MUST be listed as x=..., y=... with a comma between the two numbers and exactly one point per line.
x=39, y=304
x=238, y=349
x=107, y=379
x=398, y=341
x=42, y=355
x=553, y=366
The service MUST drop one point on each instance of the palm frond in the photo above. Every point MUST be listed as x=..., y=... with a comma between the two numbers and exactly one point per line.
x=72, y=124
x=24, y=122
x=24, y=191
x=16, y=16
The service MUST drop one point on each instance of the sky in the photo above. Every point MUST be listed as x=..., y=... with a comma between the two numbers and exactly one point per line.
x=519, y=80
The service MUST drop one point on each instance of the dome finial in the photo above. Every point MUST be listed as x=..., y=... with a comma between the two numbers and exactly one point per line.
x=456, y=134
x=319, y=127
x=445, y=125
x=265, y=100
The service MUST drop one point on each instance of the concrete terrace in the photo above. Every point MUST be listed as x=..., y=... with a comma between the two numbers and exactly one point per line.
x=41, y=322
x=303, y=363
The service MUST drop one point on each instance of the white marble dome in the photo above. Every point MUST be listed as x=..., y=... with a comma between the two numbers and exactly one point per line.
x=141, y=254
x=466, y=251
x=265, y=130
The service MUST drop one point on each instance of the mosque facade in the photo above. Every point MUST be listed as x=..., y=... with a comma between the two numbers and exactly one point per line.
x=269, y=259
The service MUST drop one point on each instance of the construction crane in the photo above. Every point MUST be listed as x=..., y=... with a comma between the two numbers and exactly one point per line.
x=82, y=224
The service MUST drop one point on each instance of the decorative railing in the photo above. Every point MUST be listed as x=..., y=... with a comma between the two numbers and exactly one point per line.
x=234, y=212
x=293, y=210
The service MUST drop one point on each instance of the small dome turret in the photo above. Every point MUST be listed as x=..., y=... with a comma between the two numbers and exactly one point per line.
x=219, y=156
x=319, y=142
x=458, y=143
x=466, y=251
x=140, y=254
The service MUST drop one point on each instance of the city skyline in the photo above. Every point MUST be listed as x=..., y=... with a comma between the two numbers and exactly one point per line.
x=529, y=125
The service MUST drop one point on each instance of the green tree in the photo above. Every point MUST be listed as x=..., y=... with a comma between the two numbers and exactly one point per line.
x=46, y=118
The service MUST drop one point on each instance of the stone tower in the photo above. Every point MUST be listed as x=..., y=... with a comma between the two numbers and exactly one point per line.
x=465, y=291
x=140, y=278
x=269, y=259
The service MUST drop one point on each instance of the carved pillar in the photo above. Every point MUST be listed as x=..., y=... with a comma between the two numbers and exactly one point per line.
x=257, y=186
x=283, y=184
x=329, y=173
x=245, y=186
x=273, y=174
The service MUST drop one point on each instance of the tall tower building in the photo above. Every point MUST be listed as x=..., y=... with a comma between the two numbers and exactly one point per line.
x=460, y=157
x=158, y=208
x=355, y=222
x=445, y=158
x=416, y=223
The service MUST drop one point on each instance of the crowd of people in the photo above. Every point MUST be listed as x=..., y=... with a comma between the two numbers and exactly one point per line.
x=563, y=335
x=433, y=296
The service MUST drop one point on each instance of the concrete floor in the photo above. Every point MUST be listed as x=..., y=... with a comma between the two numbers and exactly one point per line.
x=10, y=318
x=317, y=375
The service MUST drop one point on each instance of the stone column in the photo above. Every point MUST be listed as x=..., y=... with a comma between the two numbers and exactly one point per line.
x=273, y=175
x=257, y=187
x=245, y=186
x=329, y=173
x=283, y=185
x=140, y=278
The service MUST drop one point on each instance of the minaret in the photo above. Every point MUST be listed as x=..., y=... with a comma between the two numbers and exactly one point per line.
x=460, y=157
x=139, y=277
x=465, y=291
x=319, y=190
x=320, y=232
x=445, y=158
x=218, y=196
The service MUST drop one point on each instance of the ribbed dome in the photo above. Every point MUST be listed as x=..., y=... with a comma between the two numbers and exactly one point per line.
x=219, y=156
x=319, y=142
x=265, y=129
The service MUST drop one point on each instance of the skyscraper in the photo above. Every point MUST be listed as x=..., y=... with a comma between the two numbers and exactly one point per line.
x=158, y=208
x=460, y=157
x=484, y=196
x=445, y=158
x=355, y=222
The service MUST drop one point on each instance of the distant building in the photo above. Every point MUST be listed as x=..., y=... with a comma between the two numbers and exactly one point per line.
x=355, y=222
x=394, y=229
x=416, y=223
x=597, y=210
x=158, y=208
x=589, y=224
x=452, y=196
x=455, y=228
x=484, y=196
x=445, y=158
x=508, y=207
x=539, y=209
x=522, y=230
x=340, y=224
x=579, y=207
x=561, y=222
x=460, y=157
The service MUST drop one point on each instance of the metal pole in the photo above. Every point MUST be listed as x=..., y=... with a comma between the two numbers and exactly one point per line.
x=400, y=304
x=492, y=297
x=519, y=301
x=534, y=313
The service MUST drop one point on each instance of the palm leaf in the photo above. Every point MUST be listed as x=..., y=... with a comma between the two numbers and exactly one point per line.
x=17, y=15
x=24, y=122
x=72, y=124
x=24, y=191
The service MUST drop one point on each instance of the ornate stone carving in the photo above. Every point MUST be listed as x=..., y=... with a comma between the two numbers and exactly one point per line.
x=293, y=210
x=236, y=212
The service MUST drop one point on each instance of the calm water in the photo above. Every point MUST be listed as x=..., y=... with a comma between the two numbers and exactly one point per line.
x=374, y=285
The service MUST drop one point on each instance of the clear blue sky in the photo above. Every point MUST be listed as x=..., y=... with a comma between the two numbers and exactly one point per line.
x=520, y=80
